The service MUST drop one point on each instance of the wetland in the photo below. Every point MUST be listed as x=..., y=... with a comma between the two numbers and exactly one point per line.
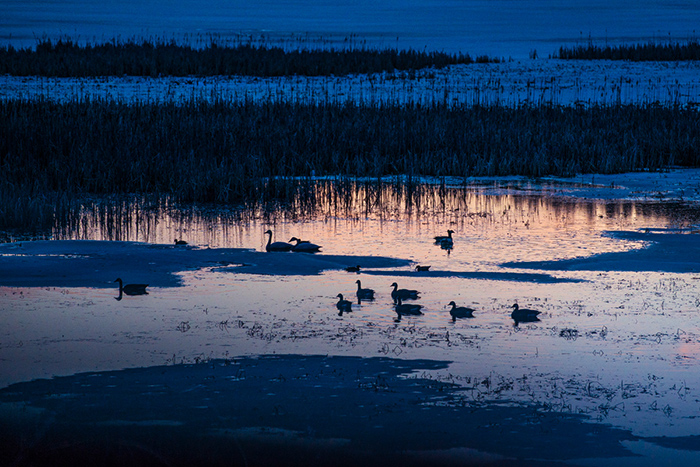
x=571, y=186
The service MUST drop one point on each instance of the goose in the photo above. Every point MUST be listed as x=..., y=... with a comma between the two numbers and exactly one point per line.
x=131, y=289
x=298, y=240
x=343, y=305
x=422, y=268
x=180, y=242
x=304, y=246
x=353, y=268
x=407, y=309
x=460, y=311
x=364, y=294
x=403, y=294
x=276, y=246
x=442, y=238
x=524, y=315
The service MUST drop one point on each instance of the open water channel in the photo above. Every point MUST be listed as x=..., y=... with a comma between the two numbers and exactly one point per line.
x=620, y=347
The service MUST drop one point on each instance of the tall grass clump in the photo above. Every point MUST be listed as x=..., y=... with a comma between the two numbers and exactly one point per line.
x=634, y=52
x=226, y=152
x=67, y=58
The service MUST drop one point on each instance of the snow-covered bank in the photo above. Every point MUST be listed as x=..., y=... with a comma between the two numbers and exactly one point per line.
x=672, y=185
x=543, y=81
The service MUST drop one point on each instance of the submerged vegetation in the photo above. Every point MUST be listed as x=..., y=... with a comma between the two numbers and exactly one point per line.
x=227, y=152
x=67, y=58
x=633, y=52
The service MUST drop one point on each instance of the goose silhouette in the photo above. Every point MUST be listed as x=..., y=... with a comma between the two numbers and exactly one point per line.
x=364, y=294
x=343, y=306
x=406, y=309
x=422, y=268
x=353, y=268
x=460, y=311
x=304, y=246
x=442, y=238
x=403, y=294
x=276, y=246
x=180, y=242
x=524, y=315
x=130, y=289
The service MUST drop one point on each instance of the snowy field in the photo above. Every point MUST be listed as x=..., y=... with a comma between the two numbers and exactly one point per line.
x=542, y=81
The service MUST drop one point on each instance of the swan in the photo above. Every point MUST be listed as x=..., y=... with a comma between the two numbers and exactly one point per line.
x=524, y=315
x=180, y=242
x=364, y=294
x=442, y=238
x=343, y=305
x=276, y=246
x=403, y=294
x=131, y=289
x=304, y=246
x=422, y=268
x=460, y=311
x=407, y=309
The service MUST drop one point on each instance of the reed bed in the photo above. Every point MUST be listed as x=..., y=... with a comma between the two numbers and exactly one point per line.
x=246, y=152
x=68, y=58
x=633, y=52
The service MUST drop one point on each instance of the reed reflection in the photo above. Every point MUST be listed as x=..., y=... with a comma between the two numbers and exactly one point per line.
x=368, y=217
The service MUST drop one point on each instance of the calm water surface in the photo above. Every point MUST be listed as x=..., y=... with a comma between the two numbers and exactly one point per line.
x=619, y=346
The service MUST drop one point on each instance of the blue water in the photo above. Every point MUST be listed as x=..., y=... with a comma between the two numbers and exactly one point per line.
x=504, y=28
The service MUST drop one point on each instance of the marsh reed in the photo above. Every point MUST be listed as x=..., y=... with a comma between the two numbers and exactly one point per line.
x=68, y=58
x=633, y=52
x=246, y=152
x=214, y=151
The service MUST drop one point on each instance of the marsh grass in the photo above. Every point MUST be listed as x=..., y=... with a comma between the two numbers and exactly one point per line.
x=633, y=52
x=258, y=153
x=68, y=58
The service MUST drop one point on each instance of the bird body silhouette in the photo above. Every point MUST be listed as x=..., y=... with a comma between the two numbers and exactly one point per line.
x=403, y=294
x=131, y=289
x=304, y=246
x=422, y=268
x=443, y=238
x=524, y=315
x=364, y=294
x=343, y=306
x=276, y=246
x=460, y=311
x=353, y=268
x=180, y=242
